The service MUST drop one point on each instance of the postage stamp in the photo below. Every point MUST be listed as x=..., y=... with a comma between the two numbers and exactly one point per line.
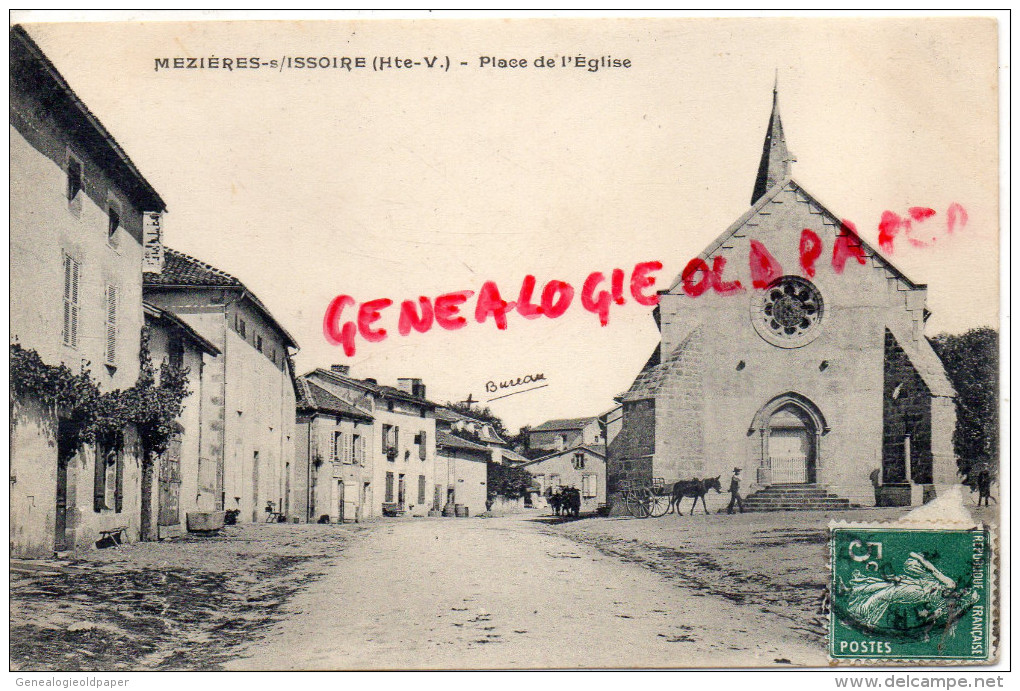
x=910, y=594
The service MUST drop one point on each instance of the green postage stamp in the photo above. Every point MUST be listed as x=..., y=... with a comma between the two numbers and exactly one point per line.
x=910, y=594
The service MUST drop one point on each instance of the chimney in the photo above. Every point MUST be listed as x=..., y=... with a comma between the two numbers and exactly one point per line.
x=415, y=387
x=341, y=369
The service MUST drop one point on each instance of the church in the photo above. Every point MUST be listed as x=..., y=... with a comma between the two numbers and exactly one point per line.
x=792, y=350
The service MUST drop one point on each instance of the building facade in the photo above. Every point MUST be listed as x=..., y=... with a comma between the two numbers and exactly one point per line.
x=246, y=458
x=76, y=218
x=401, y=457
x=333, y=451
x=180, y=487
x=582, y=467
x=461, y=477
x=796, y=352
x=557, y=435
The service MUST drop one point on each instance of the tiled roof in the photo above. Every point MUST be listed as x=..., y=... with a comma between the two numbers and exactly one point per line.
x=374, y=387
x=450, y=441
x=510, y=455
x=311, y=396
x=30, y=69
x=176, y=322
x=569, y=423
x=597, y=449
x=183, y=270
x=656, y=370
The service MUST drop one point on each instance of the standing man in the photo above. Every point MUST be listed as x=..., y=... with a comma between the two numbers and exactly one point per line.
x=735, y=492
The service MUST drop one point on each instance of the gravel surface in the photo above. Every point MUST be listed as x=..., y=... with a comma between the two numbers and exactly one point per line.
x=183, y=604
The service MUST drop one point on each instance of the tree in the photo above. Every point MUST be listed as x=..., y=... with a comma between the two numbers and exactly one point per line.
x=972, y=364
x=507, y=481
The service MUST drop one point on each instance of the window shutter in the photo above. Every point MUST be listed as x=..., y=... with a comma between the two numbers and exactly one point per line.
x=111, y=325
x=421, y=489
x=421, y=448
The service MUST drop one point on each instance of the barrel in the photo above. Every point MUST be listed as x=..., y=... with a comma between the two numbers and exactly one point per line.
x=461, y=511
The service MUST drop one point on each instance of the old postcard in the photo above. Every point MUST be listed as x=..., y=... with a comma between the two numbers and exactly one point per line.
x=505, y=343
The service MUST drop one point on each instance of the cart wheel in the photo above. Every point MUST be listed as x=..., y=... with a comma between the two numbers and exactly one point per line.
x=659, y=505
x=639, y=502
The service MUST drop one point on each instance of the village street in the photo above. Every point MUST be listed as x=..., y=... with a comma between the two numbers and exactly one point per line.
x=517, y=591
x=509, y=592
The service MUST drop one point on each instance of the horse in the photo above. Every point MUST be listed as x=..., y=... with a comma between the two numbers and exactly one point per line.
x=570, y=499
x=694, y=488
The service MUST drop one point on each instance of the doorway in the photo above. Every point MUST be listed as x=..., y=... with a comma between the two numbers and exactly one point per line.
x=790, y=446
x=787, y=432
x=340, y=501
x=65, y=452
x=170, y=484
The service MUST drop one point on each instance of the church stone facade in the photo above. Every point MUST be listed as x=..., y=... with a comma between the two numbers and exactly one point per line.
x=808, y=375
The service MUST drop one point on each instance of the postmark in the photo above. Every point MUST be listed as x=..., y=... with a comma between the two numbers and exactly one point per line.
x=910, y=594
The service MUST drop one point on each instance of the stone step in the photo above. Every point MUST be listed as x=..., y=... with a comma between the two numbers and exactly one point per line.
x=766, y=509
x=795, y=497
x=835, y=501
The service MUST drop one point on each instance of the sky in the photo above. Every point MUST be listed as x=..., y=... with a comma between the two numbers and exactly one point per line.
x=400, y=183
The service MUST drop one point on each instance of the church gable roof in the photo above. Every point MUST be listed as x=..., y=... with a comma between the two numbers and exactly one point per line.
x=925, y=362
x=655, y=373
x=751, y=218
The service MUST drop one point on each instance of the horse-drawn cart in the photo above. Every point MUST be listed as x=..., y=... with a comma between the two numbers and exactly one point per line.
x=646, y=499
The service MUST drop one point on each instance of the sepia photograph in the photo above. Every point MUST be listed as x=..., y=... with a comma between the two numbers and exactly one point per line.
x=357, y=341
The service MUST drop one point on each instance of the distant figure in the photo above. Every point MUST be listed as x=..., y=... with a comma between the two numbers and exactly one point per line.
x=984, y=485
x=735, y=492
x=555, y=500
x=876, y=482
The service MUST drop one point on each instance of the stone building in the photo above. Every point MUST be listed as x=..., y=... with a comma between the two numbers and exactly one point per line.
x=792, y=349
x=401, y=456
x=332, y=454
x=178, y=489
x=556, y=435
x=461, y=473
x=247, y=452
x=76, y=222
x=582, y=467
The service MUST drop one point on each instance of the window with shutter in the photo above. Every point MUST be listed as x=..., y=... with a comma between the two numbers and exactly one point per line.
x=421, y=446
x=421, y=489
x=338, y=446
x=111, y=325
x=72, y=271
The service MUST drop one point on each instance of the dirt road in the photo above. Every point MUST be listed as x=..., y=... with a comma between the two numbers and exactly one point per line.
x=509, y=592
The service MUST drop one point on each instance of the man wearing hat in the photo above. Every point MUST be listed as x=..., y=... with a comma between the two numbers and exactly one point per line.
x=735, y=492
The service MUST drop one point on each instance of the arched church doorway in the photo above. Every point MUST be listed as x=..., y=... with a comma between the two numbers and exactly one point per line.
x=791, y=446
x=789, y=430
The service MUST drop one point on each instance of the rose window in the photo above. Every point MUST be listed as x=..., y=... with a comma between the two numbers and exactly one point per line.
x=788, y=312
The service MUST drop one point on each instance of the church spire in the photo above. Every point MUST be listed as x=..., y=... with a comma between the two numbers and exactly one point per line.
x=775, y=158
